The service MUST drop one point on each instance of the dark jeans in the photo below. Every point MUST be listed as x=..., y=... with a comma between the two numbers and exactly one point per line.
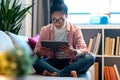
x=62, y=67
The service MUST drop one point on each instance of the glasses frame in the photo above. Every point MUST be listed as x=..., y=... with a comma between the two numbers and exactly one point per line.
x=60, y=20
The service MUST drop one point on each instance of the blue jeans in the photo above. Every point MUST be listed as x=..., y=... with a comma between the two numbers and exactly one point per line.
x=62, y=67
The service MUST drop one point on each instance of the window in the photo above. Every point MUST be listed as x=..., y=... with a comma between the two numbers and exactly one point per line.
x=93, y=11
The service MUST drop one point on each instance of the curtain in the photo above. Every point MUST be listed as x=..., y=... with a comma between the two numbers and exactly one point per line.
x=40, y=15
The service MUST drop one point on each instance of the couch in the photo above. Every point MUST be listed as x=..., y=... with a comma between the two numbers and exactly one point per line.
x=10, y=40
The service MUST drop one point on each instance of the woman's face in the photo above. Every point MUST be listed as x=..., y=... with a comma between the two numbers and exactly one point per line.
x=58, y=19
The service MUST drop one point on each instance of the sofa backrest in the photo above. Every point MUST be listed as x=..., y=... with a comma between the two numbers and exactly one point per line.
x=5, y=42
x=19, y=41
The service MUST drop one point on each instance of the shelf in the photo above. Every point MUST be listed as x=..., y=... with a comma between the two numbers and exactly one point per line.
x=112, y=31
x=111, y=56
x=98, y=56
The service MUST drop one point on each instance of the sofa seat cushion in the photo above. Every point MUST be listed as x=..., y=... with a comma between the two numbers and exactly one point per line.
x=19, y=41
x=86, y=76
x=5, y=42
x=39, y=77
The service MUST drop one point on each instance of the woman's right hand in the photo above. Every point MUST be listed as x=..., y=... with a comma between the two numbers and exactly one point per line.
x=42, y=51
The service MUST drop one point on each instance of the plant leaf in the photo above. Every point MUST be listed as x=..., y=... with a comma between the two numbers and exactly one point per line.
x=11, y=17
x=16, y=29
x=7, y=6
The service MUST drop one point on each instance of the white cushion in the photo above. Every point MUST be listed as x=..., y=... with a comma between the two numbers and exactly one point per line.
x=91, y=71
x=86, y=76
x=5, y=42
x=18, y=41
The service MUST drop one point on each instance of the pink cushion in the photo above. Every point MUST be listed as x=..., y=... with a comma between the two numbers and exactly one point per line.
x=33, y=41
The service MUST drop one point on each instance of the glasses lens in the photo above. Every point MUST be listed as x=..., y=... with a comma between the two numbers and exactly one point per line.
x=53, y=20
x=61, y=20
x=57, y=20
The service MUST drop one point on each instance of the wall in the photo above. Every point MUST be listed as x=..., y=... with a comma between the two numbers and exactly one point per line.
x=26, y=29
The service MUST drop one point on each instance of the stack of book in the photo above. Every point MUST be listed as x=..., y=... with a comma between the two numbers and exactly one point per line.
x=111, y=73
x=94, y=44
x=112, y=46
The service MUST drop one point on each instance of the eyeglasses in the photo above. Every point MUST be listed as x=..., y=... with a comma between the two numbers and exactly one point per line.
x=60, y=20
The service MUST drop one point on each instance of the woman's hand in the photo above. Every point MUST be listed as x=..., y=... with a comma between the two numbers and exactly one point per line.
x=68, y=50
x=43, y=51
x=85, y=51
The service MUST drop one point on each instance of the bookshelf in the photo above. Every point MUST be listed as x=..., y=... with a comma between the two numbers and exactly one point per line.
x=112, y=31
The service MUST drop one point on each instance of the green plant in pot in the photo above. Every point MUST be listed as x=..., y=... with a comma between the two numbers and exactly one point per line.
x=12, y=15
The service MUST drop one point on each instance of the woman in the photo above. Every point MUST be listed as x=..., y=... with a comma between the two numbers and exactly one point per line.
x=70, y=60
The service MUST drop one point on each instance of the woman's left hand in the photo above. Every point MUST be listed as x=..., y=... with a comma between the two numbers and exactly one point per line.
x=68, y=50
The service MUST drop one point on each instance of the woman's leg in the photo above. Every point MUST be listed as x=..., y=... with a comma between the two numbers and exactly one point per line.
x=40, y=65
x=50, y=67
x=58, y=63
x=81, y=65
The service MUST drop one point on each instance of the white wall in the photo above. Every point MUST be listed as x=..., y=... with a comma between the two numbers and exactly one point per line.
x=27, y=23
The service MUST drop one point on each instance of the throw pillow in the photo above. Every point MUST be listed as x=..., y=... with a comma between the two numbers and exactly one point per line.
x=5, y=42
x=33, y=41
x=18, y=41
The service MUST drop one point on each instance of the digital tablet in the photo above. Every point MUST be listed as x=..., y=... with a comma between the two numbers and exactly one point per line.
x=53, y=45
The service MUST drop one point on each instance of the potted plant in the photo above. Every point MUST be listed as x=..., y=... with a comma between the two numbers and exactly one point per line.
x=15, y=64
x=12, y=15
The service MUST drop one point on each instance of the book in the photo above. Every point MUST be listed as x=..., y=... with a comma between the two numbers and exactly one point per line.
x=96, y=70
x=113, y=46
x=90, y=44
x=112, y=73
x=93, y=44
x=116, y=71
x=97, y=44
x=107, y=44
x=106, y=73
x=110, y=46
x=117, y=45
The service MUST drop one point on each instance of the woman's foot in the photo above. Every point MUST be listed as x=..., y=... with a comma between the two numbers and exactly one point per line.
x=46, y=73
x=73, y=74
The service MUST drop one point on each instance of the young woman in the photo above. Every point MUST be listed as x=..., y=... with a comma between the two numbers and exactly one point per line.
x=70, y=60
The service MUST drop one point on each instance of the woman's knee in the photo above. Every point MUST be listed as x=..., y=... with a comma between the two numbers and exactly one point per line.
x=90, y=57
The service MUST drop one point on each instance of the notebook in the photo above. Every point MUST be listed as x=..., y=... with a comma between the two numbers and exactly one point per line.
x=53, y=45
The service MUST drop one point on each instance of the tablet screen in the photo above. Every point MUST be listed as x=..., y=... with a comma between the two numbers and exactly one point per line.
x=53, y=45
